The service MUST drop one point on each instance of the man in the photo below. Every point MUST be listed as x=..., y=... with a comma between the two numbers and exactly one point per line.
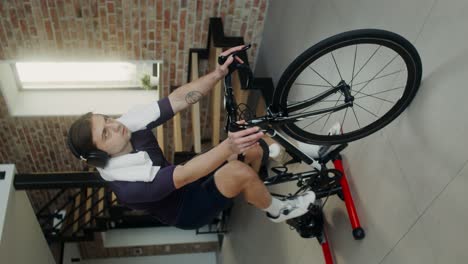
x=187, y=196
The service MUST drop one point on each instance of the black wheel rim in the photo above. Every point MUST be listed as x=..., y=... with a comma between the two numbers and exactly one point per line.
x=404, y=66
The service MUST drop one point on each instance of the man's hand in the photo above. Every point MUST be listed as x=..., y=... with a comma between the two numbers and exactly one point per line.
x=222, y=70
x=191, y=92
x=241, y=141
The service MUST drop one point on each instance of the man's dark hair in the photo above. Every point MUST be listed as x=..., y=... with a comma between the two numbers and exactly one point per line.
x=80, y=135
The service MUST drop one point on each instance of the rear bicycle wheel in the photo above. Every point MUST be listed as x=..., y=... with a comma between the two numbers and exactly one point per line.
x=378, y=73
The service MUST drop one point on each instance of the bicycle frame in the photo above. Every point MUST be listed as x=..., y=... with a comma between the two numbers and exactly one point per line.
x=276, y=118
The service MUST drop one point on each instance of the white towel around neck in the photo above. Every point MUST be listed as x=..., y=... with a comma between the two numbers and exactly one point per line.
x=130, y=167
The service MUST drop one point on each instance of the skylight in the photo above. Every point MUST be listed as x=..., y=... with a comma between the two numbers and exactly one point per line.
x=81, y=75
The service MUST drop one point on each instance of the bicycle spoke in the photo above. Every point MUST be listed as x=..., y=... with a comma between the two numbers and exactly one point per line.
x=356, y=117
x=385, y=100
x=315, y=85
x=315, y=121
x=344, y=117
x=321, y=76
x=366, y=110
x=378, y=73
x=366, y=63
x=400, y=87
x=336, y=65
x=328, y=118
x=329, y=115
x=354, y=64
x=379, y=77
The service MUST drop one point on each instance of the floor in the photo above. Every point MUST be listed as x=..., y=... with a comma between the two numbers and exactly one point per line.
x=409, y=179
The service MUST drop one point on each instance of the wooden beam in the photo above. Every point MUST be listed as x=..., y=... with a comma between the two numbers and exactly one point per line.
x=160, y=129
x=160, y=137
x=195, y=107
x=76, y=213
x=216, y=117
x=178, y=145
x=89, y=192
x=102, y=201
x=215, y=98
x=261, y=106
x=114, y=199
x=240, y=94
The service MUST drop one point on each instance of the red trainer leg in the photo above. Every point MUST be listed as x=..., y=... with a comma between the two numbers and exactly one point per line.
x=326, y=249
x=358, y=232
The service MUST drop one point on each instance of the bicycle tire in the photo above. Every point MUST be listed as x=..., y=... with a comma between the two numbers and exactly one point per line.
x=388, y=39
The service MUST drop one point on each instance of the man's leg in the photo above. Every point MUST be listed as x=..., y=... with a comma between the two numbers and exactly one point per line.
x=253, y=157
x=237, y=177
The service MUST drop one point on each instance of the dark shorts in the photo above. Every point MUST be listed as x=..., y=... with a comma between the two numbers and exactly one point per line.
x=201, y=203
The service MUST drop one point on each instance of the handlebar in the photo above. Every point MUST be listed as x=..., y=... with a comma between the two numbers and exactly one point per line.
x=230, y=103
x=235, y=65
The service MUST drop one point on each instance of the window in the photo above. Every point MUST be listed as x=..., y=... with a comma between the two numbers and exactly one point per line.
x=87, y=75
x=74, y=88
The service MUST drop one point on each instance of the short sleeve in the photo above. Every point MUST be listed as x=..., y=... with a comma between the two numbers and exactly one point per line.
x=143, y=192
x=166, y=113
x=147, y=116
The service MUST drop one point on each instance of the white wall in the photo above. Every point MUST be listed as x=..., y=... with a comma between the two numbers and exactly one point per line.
x=153, y=236
x=72, y=251
x=199, y=258
x=8, y=86
x=50, y=103
x=6, y=191
x=22, y=241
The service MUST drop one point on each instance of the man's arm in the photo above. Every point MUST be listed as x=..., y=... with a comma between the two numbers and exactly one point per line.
x=202, y=165
x=191, y=93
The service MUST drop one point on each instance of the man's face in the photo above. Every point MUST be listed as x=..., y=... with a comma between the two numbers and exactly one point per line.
x=110, y=135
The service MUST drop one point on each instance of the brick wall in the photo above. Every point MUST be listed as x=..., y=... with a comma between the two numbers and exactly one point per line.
x=92, y=29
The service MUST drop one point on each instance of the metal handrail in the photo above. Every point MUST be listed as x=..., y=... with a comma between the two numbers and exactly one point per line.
x=81, y=215
x=87, y=222
x=51, y=201
x=75, y=208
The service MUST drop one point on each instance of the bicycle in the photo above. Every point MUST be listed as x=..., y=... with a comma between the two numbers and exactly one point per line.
x=334, y=91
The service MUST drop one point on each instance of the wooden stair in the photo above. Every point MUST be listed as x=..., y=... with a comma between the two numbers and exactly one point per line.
x=217, y=42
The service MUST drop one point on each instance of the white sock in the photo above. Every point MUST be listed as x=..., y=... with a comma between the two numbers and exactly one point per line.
x=274, y=207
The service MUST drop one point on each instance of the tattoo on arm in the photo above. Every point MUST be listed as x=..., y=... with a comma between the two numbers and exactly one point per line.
x=193, y=97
